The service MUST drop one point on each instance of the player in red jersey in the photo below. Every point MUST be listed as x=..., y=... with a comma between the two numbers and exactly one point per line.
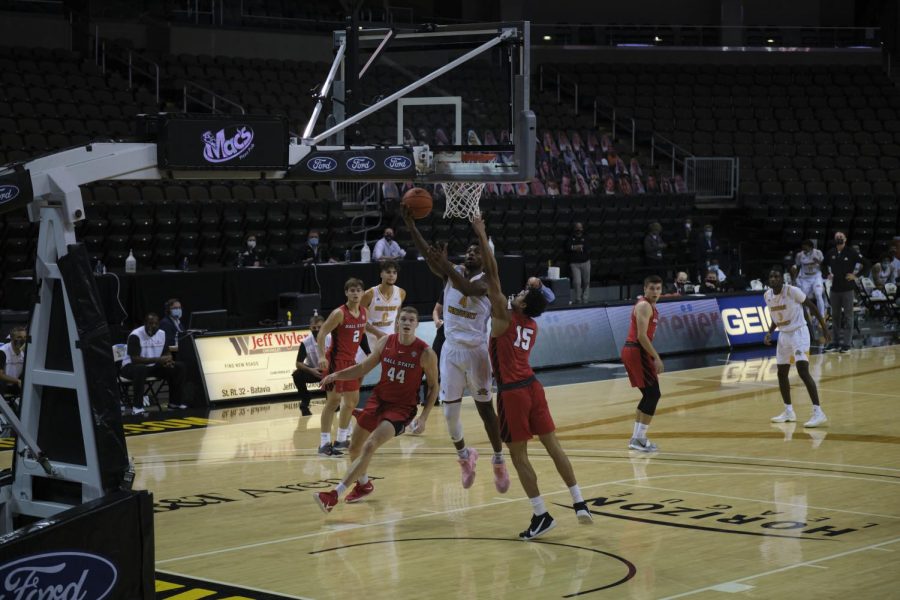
x=347, y=326
x=643, y=363
x=392, y=405
x=521, y=405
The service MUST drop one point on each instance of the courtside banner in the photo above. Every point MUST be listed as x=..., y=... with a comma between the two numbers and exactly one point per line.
x=573, y=336
x=365, y=164
x=746, y=318
x=245, y=365
x=684, y=326
x=223, y=142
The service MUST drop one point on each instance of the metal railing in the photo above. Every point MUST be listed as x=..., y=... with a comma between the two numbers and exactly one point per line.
x=192, y=11
x=712, y=177
x=562, y=81
x=660, y=145
x=131, y=62
x=735, y=36
x=616, y=120
x=215, y=98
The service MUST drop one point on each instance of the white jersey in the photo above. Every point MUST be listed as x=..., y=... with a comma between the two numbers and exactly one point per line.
x=151, y=347
x=807, y=265
x=14, y=363
x=466, y=317
x=383, y=310
x=786, y=308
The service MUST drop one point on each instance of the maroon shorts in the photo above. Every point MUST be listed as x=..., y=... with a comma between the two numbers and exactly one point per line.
x=640, y=367
x=342, y=386
x=523, y=412
x=377, y=411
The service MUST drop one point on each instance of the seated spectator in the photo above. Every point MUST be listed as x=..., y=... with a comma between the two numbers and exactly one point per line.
x=714, y=267
x=678, y=286
x=307, y=367
x=536, y=284
x=148, y=356
x=248, y=257
x=652, y=188
x=552, y=188
x=883, y=272
x=387, y=247
x=711, y=283
x=609, y=185
x=12, y=362
x=313, y=252
x=171, y=324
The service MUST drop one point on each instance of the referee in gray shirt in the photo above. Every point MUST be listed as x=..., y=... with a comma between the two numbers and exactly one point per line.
x=843, y=264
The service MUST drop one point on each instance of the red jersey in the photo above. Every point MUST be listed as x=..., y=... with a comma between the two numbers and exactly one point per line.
x=401, y=372
x=651, y=326
x=510, y=351
x=346, y=337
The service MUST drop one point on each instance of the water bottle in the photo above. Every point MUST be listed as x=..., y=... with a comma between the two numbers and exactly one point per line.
x=98, y=268
x=130, y=263
x=315, y=312
x=347, y=256
x=184, y=263
x=366, y=254
x=289, y=323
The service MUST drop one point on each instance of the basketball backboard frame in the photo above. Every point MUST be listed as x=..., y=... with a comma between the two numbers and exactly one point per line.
x=433, y=164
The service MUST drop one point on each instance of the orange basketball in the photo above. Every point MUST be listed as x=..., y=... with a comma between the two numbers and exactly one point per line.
x=419, y=202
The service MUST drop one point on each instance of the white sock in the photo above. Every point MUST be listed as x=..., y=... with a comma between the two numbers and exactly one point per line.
x=343, y=434
x=340, y=489
x=640, y=431
x=324, y=438
x=816, y=409
x=789, y=408
x=463, y=454
x=537, y=504
x=498, y=458
x=363, y=480
x=576, y=493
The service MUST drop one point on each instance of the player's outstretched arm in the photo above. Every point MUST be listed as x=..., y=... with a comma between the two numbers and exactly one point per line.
x=334, y=319
x=499, y=303
x=358, y=370
x=418, y=240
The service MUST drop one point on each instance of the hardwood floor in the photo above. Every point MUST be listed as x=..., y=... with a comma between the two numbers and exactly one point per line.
x=731, y=503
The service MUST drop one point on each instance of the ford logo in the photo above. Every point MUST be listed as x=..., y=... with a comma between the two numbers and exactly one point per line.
x=321, y=164
x=360, y=164
x=8, y=193
x=58, y=575
x=397, y=163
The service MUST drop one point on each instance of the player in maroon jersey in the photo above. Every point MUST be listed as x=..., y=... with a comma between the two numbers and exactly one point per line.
x=392, y=405
x=521, y=405
x=643, y=363
x=347, y=326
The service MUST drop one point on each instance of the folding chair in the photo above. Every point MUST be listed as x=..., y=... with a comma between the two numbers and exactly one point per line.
x=872, y=298
x=152, y=385
x=890, y=292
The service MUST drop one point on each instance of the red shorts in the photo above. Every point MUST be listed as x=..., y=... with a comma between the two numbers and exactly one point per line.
x=377, y=411
x=351, y=385
x=640, y=367
x=523, y=413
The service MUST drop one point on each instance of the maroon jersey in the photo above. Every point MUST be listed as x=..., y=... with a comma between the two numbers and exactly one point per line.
x=346, y=337
x=401, y=372
x=510, y=351
x=651, y=326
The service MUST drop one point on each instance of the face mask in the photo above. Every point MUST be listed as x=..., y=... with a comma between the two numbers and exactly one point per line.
x=388, y=238
x=578, y=233
x=18, y=343
x=708, y=234
x=840, y=241
x=251, y=244
x=176, y=312
x=313, y=242
x=885, y=265
x=151, y=331
x=687, y=225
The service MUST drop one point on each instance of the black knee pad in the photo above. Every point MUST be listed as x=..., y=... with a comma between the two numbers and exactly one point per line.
x=649, y=399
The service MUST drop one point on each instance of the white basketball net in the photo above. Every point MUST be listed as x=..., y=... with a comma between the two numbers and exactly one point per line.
x=462, y=199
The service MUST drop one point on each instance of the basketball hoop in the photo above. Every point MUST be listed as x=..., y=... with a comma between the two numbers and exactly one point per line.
x=463, y=196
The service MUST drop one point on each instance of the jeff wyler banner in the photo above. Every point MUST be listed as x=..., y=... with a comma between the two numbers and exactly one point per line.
x=223, y=142
x=245, y=365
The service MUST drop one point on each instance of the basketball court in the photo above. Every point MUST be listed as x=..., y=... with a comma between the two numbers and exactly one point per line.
x=731, y=503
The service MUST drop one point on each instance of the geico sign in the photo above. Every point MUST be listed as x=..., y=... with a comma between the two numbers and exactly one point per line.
x=747, y=320
x=755, y=370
